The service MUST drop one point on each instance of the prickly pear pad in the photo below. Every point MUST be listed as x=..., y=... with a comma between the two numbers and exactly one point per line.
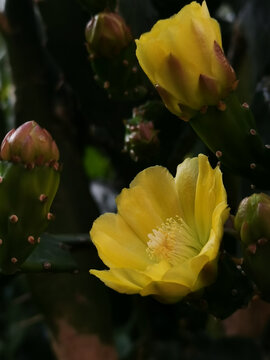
x=26, y=196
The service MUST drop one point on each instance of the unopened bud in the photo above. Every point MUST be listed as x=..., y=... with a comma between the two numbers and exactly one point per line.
x=252, y=222
x=29, y=144
x=107, y=34
x=164, y=54
x=141, y=138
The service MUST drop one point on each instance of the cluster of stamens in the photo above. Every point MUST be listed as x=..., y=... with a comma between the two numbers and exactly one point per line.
x=173, y=241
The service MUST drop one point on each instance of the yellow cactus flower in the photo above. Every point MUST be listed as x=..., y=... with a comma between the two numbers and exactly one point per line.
x=184, y=59
x=164, y=240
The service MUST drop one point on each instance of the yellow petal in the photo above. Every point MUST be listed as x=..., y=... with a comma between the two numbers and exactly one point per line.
x=157, y=271
x=149, y=201
x=185, y=217
x=181, y=274
x=205, y=264
x=209, y=193
x=197, y=263
x=186, y=180
x=207, y=274
x=165, y=292
x=171, y=103
x=217, y=33
x=126, y=281
x=219, y=216
x=180, y=79
x=145, y=53
x=117, y=245
x=190, y=36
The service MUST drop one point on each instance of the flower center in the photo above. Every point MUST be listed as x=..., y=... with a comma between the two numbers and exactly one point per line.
x=174, y=241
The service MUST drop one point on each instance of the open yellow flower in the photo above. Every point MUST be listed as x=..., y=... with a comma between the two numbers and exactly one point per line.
x=183, y=58
x=164, y=240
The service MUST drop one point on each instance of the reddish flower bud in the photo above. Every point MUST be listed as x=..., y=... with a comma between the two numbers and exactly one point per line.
x=141, y=139
x=29, y=144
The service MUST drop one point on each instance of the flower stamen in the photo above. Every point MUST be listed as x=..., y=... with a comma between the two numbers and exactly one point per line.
x=173, y=241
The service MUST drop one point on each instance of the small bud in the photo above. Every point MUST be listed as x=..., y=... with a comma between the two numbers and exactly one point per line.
x=141, y=138
x=29, y=144
x=252, y=218
x=253, y=225
x=107, y=34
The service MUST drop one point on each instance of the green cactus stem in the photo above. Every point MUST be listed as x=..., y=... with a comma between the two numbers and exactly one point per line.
x=26, y=197
x=29, y=179
x=120, y=76
x=231, y=291
x=51, y=255
x=112, y=55
x=230, y=132
x=79, y=316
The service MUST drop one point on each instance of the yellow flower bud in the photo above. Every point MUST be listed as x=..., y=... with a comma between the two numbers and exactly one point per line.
x=184, y=59
x=164, y=241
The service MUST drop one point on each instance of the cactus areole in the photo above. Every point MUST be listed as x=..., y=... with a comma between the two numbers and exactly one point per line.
x=29, y=179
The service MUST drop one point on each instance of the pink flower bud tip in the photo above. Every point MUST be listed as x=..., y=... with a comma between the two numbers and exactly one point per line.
x=29, y=144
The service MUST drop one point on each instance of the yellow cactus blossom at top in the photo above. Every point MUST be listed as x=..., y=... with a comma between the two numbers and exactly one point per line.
x=184, y=59
x=164, y=241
